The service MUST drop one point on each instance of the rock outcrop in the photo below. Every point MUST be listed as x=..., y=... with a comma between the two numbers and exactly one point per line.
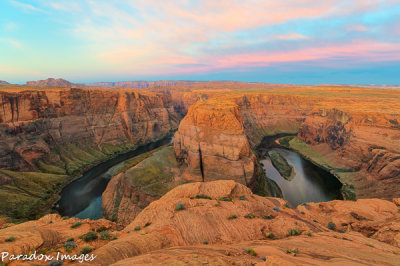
x=34, y=121
x=128, y=193
x=2, y=82
x=222, y=222
x=349, y=131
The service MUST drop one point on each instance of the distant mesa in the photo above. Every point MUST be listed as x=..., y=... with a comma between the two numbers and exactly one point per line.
x=50, y=82
x=2, y=82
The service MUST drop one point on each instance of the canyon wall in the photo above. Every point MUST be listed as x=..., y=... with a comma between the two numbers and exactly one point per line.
x=353, y=133
x=34, y=121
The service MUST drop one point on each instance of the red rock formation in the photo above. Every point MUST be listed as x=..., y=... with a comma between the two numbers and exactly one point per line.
x=211, y=141
x=353, y=132
x=35, y=120
x=364, y=232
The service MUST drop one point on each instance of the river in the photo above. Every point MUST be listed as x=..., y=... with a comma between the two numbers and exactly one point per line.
x=82, y=198
x=310, y=183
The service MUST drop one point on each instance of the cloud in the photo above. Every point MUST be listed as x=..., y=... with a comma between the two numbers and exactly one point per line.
x=25, y=7
x=12, y=42
x=358, y=28
x=292, y=36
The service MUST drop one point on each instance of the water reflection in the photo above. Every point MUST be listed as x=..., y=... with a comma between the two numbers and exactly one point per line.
x=310, y=183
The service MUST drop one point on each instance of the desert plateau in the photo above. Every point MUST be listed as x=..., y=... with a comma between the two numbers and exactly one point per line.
x=208, y=132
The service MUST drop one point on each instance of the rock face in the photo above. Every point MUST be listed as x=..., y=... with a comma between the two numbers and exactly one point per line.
x=204, y=220
x=128, y=193
x=351, y=132
x=241, y=228
x=34, y=121
x=211, y=141
x=2, y=82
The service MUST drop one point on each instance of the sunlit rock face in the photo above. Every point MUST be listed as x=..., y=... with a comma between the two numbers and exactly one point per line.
x=33, y=121
x=352, y=132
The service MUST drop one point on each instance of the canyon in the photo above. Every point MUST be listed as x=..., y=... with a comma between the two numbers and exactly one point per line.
x=48, y=136
x=206, y=197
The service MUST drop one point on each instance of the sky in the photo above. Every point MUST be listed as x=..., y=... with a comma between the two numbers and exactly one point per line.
x=286, y=41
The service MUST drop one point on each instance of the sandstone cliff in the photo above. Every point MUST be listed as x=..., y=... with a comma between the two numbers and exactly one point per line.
x=49, y=135
x=242, y=228
x=128, y=193
x=351, y=132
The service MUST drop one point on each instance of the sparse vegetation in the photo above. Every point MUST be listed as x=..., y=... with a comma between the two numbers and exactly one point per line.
x=202, y=196
x=137, y=228
x=179, y=207
x=293, y=251
x=268, y=217
x=10, y=239
x=331, y=226
x=252, y=252
x=86, y=250
x=270, y=235
x=294, y=232
x=242, y=198
x=105, y=235
x=309, y=234
x=75, y=225
x=147, y=224
x=276, y=209
x=250, y=216
x=90, y=236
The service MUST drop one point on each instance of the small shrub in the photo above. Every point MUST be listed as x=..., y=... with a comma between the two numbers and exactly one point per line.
x=250, y=216
x=276, y=209
x=90, y=236
x=10, y=239
x=309, y=234
x=75, y=225
x=179, y=207
x=233, y=216
x=224, y=199
x=315, y=221
x=104, y=235
x=332, y=226
x=292, y=251
x=252, y=252
x=70, y=239
x=264, y=258
x=270, y=235
x=86, y=250
x=268, y=217
x=137, y=228
x=341, y=231
x=371, y=245
x=114, y=237
x=65, y=217
x=242, y=198
x=205, y=242
x=202, y=196
x=147, y=224
x=286, y=205
x=70, y=244
x=294, y=232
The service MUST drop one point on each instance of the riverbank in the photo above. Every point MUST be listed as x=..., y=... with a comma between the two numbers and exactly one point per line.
x=30, y=195
x=91, y=185
x=305, y=151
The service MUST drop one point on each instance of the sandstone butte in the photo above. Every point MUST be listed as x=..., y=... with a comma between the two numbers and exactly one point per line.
x=352, y=132
x=365, y=231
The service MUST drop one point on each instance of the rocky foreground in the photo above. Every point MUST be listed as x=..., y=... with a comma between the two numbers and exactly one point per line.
x=222, y=223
